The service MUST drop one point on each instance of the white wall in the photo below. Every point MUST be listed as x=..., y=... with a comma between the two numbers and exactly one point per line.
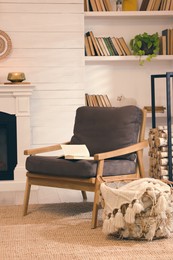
x=47, y=38
x=48, y=46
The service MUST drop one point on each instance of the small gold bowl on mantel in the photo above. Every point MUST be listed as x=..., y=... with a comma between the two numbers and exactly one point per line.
x=15, y=77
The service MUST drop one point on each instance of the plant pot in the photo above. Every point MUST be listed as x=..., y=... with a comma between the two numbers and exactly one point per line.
x=146, y=50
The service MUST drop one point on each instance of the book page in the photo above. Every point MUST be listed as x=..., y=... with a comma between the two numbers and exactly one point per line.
x=76, y=151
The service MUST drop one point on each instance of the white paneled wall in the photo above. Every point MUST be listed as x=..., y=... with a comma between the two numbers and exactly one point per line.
x=47, y=38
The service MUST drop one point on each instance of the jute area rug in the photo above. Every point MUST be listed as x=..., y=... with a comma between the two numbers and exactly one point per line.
x=62, y=231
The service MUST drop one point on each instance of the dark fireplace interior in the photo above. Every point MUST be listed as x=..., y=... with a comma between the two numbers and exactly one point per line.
x=8, y=146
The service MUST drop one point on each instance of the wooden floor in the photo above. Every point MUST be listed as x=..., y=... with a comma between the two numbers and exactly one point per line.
x=43, y=195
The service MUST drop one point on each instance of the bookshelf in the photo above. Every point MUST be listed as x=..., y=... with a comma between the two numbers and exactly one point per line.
x=137, y=16
x=125, y=58
x=132, y=14
x=113, y=74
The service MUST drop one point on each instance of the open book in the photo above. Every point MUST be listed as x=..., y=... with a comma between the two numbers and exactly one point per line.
x=76, y=151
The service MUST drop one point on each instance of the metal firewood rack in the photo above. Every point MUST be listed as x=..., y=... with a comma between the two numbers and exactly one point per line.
x=168, y=77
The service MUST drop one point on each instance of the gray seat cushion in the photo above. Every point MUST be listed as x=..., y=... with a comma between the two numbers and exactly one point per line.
x=53, y=166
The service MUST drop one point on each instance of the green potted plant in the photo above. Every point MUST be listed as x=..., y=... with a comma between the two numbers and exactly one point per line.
x=145, y=44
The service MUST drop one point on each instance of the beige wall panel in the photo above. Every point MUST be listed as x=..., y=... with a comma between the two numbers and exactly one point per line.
x=46, y=40
x=57, y=22
x=44, y=57
x=53, y=116
x=46, y=53
x=49, y=111
x=58, y=94
x=46, y=135
x=46, y=104
x=53, y=127
x=60, y=86
x=45, y=1
x=40, y=8
x=49, y=74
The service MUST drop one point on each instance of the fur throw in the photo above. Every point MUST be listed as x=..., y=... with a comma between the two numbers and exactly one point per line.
x=141, y=209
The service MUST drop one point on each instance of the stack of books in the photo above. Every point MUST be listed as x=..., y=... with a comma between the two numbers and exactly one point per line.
x=166, y=42
x=156, y=5
x=97, y=101
x=97, y=5
x=105, y=46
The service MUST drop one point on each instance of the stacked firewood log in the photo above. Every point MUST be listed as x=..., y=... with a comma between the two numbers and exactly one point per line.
x=158, y=152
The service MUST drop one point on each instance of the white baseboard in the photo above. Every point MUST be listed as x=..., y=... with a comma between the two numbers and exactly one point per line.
x=14, y=186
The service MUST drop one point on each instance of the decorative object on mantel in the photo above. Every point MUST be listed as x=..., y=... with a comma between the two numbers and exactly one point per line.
x=145, y=44
x=16, y=77
x=5, y=45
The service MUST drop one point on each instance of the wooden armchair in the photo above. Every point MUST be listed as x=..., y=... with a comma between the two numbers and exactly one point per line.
x=114, y=136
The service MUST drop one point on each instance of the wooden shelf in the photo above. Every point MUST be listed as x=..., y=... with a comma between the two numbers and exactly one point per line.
x=132, y=14
x=126, y=58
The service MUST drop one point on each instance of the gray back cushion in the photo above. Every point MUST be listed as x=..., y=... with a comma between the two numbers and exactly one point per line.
x=103, y=129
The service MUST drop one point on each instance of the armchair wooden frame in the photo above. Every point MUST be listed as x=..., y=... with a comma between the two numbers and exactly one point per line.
x=90, y=184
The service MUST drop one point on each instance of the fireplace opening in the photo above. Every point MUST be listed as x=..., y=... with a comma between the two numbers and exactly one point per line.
x=8, y=146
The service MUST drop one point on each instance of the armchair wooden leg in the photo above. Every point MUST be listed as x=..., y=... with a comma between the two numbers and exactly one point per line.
x=141, y=165
x=84, y=195
x=97, y=194
x=26, y=197
x=95, y=207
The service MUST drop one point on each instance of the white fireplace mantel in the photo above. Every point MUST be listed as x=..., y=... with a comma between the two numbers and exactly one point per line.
x=15, y=99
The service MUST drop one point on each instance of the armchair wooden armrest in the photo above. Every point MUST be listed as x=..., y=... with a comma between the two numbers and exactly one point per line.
x=43, y=149
x=122, y=151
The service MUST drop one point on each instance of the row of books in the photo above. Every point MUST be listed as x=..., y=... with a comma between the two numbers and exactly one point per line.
x=166, y=42
x=97, y=5
x=146, y=5
x=105, y=46
x=97, y=101
x=156, y=5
